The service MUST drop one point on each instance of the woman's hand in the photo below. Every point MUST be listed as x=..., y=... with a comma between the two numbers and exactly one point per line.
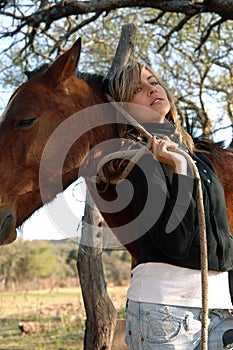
x=164, y=151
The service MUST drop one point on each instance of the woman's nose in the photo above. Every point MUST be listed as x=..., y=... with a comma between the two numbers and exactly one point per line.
x=152, y=89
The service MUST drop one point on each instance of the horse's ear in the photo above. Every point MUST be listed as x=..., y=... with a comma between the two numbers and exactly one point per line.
x=65, y=66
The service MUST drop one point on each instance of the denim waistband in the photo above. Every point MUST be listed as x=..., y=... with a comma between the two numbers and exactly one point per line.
x=141, y=308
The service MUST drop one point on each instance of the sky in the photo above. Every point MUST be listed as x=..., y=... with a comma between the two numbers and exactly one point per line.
x=59, y=219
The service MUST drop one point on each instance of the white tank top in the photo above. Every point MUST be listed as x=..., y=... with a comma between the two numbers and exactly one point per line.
x=161, y=283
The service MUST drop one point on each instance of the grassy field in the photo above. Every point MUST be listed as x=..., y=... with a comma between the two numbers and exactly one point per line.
x=62, y=310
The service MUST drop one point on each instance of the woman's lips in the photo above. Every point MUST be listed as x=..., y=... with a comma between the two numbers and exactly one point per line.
x=156, y=100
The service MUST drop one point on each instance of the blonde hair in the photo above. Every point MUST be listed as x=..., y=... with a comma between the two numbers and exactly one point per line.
x=122, y=89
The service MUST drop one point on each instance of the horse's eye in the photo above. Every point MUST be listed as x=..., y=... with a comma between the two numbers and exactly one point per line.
x=25, y=123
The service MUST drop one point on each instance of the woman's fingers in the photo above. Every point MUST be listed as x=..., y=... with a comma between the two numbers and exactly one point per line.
x=163, y=151
x=166, y=145
x=155, y=144
x=161, y=147
x=170, y=143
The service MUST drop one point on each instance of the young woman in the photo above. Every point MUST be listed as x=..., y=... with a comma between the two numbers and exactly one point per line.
x=164, y=298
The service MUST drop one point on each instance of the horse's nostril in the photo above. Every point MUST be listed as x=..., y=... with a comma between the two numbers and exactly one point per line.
x=6, y=225
x=6, y=222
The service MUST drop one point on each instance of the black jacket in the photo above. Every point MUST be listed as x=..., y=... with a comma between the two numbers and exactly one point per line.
x=166, y=221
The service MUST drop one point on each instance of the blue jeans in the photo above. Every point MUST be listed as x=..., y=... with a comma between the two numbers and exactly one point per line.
x=159, y=327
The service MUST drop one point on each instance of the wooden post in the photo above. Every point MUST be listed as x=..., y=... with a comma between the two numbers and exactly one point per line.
x=100, y=312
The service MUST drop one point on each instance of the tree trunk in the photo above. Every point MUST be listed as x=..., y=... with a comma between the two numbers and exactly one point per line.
x=100, y=312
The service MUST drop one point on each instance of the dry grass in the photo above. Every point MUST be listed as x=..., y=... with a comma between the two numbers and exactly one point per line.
x=62, y=308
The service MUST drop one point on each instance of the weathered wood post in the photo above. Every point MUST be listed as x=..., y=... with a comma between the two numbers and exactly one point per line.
x=100, y=312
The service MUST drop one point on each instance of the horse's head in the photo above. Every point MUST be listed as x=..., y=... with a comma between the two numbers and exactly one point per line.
x=36, y=109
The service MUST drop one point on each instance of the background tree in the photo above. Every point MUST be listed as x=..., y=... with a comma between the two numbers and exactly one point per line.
x=29, y=264
x=188, y=42
x=33, y=261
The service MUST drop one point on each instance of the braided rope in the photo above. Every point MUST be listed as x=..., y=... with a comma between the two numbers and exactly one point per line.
x=134, y=156
x=203, y=251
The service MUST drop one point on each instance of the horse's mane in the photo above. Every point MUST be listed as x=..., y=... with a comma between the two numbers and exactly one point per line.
x=36, y=71
x=208, y=145
x=215, y=150
x=91, y=78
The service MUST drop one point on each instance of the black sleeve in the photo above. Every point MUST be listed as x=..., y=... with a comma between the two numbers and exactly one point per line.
x=166, y=211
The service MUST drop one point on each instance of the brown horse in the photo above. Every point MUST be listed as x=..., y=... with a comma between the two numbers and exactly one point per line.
x=38, y=118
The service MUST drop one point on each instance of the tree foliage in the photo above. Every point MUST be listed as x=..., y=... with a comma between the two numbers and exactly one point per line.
x=33, y=264
x=28, y=260
x=187, y=42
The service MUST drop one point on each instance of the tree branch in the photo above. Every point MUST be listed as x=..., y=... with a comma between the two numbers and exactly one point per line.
x=66, y=8
x=208, y=32
x=73, y=30
x=177, y=28
x=156, y=19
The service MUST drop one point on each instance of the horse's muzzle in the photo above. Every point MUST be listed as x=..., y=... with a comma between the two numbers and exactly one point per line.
x=7, y=226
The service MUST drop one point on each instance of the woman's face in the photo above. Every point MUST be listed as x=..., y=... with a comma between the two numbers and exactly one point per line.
x=152, y=96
